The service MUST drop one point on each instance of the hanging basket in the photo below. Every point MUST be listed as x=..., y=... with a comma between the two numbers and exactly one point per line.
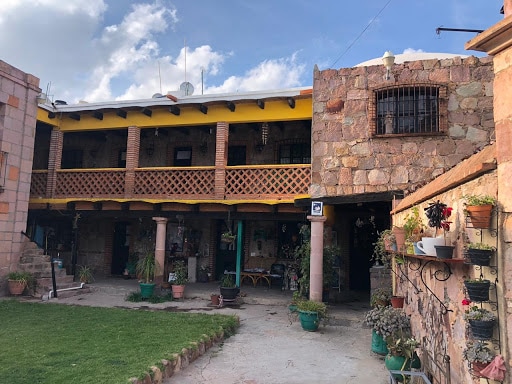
x=480, y=257
x=481, y=330
x=480, y=215
x=227, y=238
x=478, y=291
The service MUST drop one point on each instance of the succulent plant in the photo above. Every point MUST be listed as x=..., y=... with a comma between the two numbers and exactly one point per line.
x=478, y=352
x=482, y=314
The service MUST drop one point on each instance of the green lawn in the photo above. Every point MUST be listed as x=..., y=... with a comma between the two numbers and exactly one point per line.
x=53, y=343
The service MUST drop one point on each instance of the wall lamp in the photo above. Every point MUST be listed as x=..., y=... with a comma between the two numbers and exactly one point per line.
x=388, y=59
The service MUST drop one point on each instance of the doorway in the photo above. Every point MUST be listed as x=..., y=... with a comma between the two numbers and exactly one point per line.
x=120, y=247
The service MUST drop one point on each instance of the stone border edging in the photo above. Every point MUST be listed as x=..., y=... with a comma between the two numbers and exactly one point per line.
x=184, y=358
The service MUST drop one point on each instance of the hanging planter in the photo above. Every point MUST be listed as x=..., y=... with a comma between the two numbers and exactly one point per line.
x=444, y=251
x=227, y=237
x=479, y=209
x=481, y=322
x=479, y=253
x=478, y=290
x=480, y=215
x=481, y=330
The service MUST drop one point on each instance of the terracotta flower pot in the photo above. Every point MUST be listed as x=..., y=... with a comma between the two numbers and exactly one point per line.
x=397, y=301
x=480, y=215
x=16, y=287
x=400, y=238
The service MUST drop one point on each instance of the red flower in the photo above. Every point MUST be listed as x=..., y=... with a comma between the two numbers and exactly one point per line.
x=466, y=302
x=447, y=212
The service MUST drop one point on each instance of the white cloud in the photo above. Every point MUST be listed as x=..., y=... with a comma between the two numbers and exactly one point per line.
x=269, y=74
x=412, y=50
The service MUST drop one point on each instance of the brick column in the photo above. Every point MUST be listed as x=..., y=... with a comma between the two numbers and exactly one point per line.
x=497, y=41
x=54, y=160
x=221, y=159
x=161, y=227
x=132, y=159
x=316, y=265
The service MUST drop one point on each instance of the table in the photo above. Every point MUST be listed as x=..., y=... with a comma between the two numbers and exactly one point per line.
x=255, y=277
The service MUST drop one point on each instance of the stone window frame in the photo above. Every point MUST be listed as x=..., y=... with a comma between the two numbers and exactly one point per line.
x=443, y=108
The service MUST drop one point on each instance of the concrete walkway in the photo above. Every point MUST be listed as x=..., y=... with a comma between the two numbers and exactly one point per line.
x=270, y=346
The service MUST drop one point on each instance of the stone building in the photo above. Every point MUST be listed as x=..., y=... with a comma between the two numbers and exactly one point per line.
x=379, y=135
x=18, y=111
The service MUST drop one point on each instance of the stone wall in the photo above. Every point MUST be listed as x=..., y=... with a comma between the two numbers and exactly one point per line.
x=441, y=328
x=18, y=110
x=347, y=158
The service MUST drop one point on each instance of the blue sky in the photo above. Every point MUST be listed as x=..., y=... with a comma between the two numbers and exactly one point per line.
x=98, y=50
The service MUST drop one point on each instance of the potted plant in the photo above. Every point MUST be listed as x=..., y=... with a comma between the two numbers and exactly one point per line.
x=146, y=268
x=481, y=322
x=311, y=313
x=227, y=237
x=414, y=229
x=18, y=281
x=296, y=297
x=385, y=322
x=400, y=236
x=386, y=243
x=402, y=353
x=179, y=281
x=85, y=274
x=438, y=214
x=477, y=289
x=478, y=354
x=380, y=297
x=479, y=209
x=228, y=288
x=397, y=301
x=479, y=253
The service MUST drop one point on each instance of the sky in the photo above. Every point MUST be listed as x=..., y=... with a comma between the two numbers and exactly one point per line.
x=105, y=50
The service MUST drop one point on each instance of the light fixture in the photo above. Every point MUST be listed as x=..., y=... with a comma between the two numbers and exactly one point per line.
x=388, y=59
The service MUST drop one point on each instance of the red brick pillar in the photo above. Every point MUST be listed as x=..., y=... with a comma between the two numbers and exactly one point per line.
x=507, y=6
x=161, y=227
x=132, y=159
x=54, y=160
x=221, y=159
x=316, y=266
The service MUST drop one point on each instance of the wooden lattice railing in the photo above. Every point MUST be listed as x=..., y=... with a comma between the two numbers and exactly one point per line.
x=197, y=183
x=242, y=182
x=90, y=183
x=38, y=183
x=282, y=181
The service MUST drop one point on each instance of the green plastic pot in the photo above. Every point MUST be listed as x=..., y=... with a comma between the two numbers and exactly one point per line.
x=146, y=290
x=309, y=320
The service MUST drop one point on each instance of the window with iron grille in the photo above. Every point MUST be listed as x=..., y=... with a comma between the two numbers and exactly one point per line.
x=408, y=110
x=295, y=153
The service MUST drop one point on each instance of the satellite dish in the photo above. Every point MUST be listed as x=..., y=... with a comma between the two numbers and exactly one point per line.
x=187, y=88
x=156, y=96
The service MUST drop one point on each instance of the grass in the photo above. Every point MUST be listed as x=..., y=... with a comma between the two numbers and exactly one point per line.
x=52, y=343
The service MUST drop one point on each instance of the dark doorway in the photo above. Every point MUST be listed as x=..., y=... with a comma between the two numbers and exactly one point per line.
x=120, y=248
x=226, y=252
x=365, y=228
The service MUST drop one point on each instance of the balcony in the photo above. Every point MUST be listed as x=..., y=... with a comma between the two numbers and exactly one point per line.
x=261, y=182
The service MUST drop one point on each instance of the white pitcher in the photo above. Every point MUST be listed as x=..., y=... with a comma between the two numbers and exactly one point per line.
x=427, y=245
